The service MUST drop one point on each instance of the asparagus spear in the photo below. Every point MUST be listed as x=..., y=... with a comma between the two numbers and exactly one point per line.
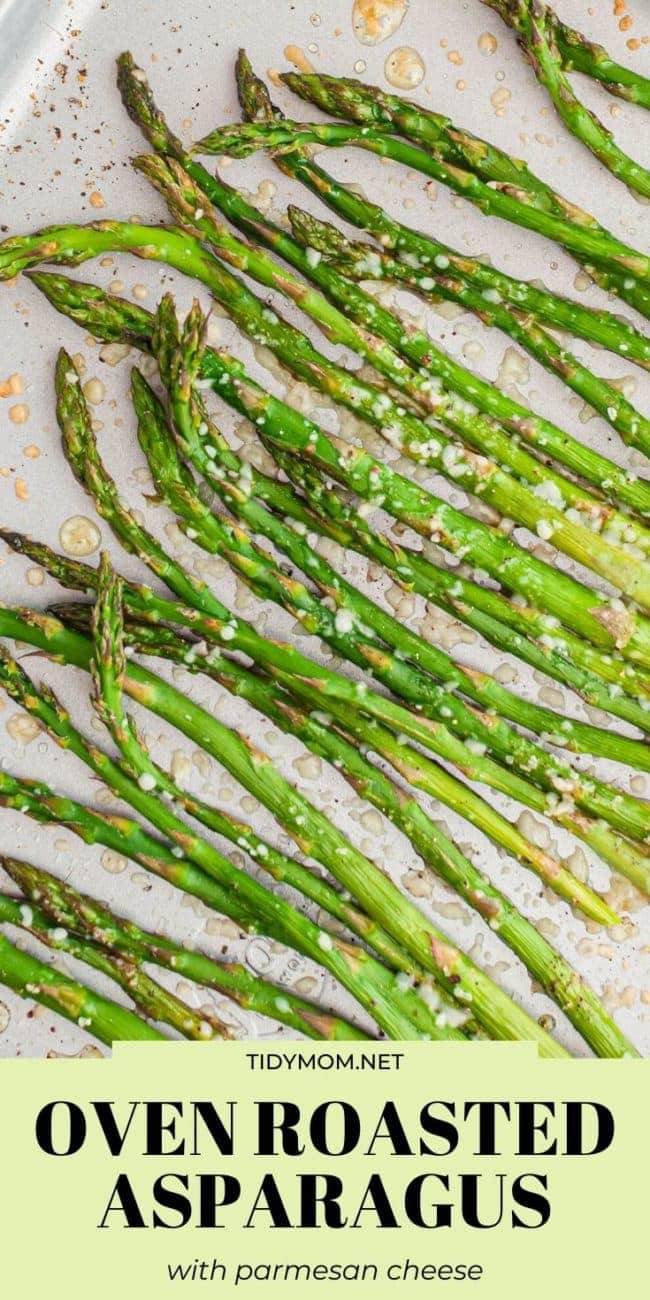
x=55, y=904
x=552, y=972
x=599, y=326
x=604, y=622
x=105, y=1020
x=366, y=262
x=82, y=454
x=590, y=58
x=112, y=318
x=125, y=969
x=130, y=839
x=399, y=1011
x=240, y=140
x=535, y=33
x=427, y=380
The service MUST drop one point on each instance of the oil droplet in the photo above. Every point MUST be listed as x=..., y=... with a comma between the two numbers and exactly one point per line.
x=23, y=728
x=295, y=55
x=374, y=21
x=404, y=68
x=112, y=353
x=499, y=100
x=12, y=387
x=19, y=414
x=487, y=43
x=79, y=536
x=113, y=862
x=94, y=391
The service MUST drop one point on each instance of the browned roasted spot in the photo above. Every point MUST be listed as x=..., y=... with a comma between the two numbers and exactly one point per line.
x=617, y=622
x=319, y=1021
x=547, y=866
x=488, y=907
x=480, y=465
x=139, y=691
x=443, y=954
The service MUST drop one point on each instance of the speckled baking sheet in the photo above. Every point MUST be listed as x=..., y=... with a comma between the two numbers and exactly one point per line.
x=65, y=144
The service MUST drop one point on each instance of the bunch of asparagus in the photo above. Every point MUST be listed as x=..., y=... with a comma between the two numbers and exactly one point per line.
x=437, y=727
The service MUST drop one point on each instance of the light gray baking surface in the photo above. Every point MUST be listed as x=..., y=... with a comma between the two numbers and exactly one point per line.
x=64, y=137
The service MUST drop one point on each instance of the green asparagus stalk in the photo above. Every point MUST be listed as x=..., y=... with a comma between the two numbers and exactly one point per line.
x=282, y=869
x=125, y=969
x=240, y=140
x=399, y=1011
x=105, y=1020
x=438, y=852
x=569, y=658
x=535, y=33
x=131, y=840
x=55, y=904
x=579, y=54
x=366, y=262
x=427, y=380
